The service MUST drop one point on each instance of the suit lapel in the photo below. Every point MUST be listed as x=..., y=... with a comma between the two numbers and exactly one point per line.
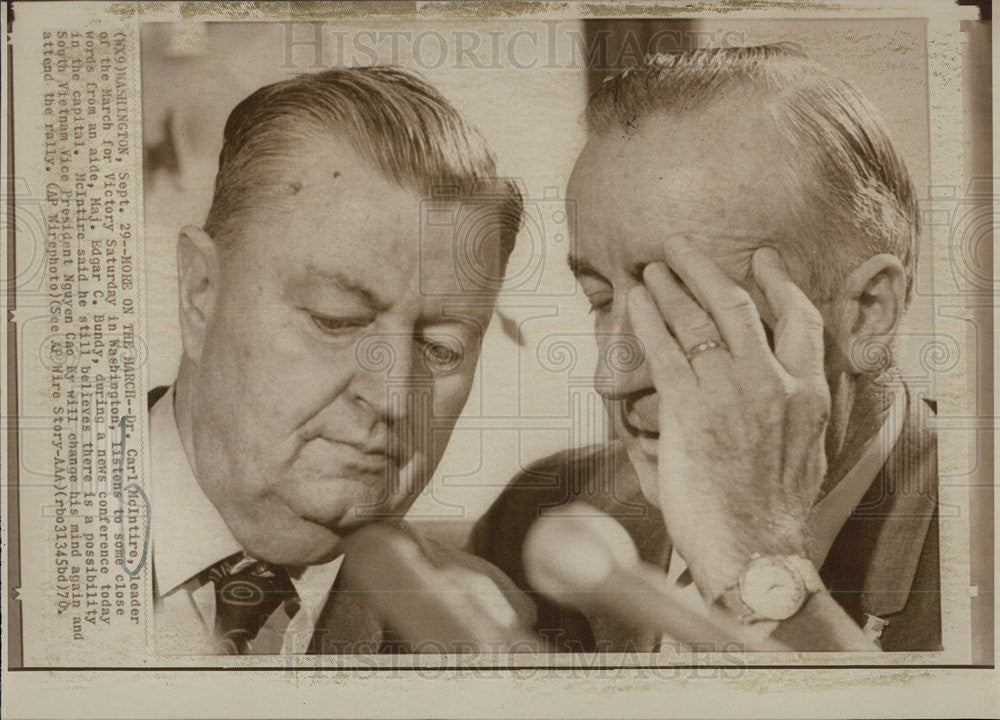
x=347, y=625
x=873, y=562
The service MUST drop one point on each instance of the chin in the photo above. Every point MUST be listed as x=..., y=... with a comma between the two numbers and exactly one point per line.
x=344, y=503
x=294, y=542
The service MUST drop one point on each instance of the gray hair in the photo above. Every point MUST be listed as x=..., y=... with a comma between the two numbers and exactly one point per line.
x=863, y=189
x=391, y=117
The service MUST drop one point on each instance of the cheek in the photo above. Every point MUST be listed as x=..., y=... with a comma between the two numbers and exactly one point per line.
x=266, y=345
x=602, y=337
x=240, y=321
x=237, y=369
x=611, y=328
x=262, y=379
x=646, y=469
x=224, y=362
x=450, y=394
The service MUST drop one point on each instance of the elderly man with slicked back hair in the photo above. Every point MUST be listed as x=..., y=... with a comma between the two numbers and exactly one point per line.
x=329, y=347
x=744, y=219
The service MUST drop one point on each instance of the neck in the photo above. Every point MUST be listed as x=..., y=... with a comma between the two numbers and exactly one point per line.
x=859, y=406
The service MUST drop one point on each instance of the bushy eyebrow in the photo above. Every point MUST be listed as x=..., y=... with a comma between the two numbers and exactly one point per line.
x=349, y=285
x=578, y=266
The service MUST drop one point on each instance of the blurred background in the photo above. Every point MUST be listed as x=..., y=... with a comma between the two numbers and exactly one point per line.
x=524, y=83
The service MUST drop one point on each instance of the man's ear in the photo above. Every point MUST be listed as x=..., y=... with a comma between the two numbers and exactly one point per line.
x=867, y=312
x=198, y=276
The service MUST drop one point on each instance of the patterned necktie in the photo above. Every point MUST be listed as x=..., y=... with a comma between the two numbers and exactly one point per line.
x=247, y=592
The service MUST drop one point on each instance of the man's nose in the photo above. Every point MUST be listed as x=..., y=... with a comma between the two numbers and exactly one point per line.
x=387, y=372
x=622, y=366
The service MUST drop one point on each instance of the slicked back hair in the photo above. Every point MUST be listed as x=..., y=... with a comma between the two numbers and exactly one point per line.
x=390, y=116
x=863, y=196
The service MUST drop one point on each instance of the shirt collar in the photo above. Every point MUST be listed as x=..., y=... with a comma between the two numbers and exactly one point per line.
x=189, y=534
x=313, y=587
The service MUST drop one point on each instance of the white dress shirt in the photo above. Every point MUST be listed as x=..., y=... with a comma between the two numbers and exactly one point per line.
x=189, y=536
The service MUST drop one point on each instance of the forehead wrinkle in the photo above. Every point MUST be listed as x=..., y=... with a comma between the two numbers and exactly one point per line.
x=371, y=249
x=654, y=202
x=344, y=281
x=632, y=197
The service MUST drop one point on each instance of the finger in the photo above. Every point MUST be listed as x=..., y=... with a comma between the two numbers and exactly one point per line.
x=798, y=327
x=730, y=306
x=805, y=456
x=667, y=362
x=483, y=595
x=687, y=320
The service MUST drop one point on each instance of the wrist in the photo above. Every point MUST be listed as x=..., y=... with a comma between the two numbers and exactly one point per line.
x=716, y=573
x=771, y=588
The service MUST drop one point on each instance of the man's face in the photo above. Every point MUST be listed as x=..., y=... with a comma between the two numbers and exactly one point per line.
x=333, y=367
x=719, y=176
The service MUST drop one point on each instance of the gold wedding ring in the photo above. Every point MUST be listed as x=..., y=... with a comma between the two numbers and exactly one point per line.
x=705, y=347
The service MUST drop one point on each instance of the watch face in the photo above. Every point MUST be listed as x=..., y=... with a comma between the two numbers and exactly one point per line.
x=772, y=589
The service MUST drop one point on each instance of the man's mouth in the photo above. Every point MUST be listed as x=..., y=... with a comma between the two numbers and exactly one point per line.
x=365, y=464
x=634, y=421
x=347, y=458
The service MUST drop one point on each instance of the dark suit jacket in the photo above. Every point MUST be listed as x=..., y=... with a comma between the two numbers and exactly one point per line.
x=349, y=624
x=884, y=562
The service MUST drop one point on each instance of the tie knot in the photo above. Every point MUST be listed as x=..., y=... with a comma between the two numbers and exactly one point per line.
x=247, y=592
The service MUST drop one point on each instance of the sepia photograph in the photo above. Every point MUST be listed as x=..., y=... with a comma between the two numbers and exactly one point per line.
x=721, y=198
x=621, y=354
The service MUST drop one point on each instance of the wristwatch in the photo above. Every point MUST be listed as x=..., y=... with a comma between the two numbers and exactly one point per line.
x=774, y=587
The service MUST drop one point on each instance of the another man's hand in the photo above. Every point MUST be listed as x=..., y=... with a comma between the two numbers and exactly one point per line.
x=741, y=452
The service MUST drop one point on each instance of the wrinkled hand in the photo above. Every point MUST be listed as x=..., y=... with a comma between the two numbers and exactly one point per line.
x=741, y=451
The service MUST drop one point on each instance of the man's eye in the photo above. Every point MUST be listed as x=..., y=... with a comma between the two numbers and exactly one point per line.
x=441, y=358
x=333, y=325
x=600, y=303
